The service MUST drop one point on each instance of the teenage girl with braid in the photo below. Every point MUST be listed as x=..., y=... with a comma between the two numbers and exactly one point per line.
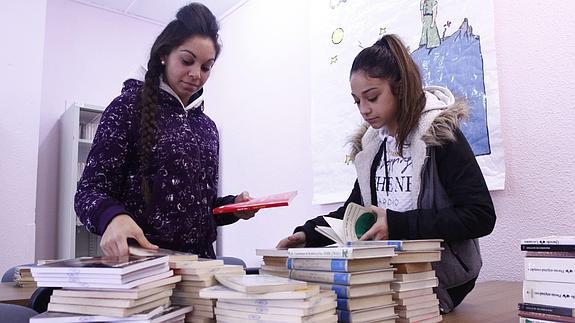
x=152, y=172
x=414, y=168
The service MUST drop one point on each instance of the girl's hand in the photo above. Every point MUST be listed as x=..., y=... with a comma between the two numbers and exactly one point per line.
x=115, y=239
x=244, y=197
x=379, y=231
x=296, y=240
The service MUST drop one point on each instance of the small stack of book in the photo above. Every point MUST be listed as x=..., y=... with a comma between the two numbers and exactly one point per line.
x=549, y=285
x=117, y=287
x=415, y=279
x=198, y=274
x=265, y=298
x=23, y=277
x=359, y=275
x=274, y=262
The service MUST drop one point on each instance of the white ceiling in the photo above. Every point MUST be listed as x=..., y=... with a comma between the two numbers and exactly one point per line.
x=161, y=11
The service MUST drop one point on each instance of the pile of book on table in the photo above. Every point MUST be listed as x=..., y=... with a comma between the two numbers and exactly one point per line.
x=361, y=277
x=109, y=289
x=274, y=262
x=549, y=285
x=197, y=275
x=415, y=280
x=23, y=277
x=264, y=298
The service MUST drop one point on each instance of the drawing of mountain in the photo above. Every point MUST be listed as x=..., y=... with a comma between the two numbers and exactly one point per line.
x=458, y=65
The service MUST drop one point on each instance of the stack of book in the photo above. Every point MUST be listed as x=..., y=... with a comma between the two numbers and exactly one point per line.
x=115, y=287
x=415, y=279
x=274, y=262
x=23, y=277
x=198, y=274
x=265, y=298
x=549, y=285
x=360, y=276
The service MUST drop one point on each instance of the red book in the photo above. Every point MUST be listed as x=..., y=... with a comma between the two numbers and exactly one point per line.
x=257, y=203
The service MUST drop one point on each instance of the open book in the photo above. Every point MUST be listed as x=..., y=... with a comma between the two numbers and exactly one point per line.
x=282, y=199
x=357, y=220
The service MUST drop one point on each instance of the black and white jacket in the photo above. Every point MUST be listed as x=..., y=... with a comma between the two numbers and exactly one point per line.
x=453, y=202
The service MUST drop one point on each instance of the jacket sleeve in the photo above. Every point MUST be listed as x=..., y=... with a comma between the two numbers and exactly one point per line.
x=471, y=215
x=96, y=200
x=315, y=239
x=226, y=218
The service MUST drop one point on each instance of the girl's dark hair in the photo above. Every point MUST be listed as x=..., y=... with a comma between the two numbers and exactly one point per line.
x=194, y=19
x=389, y=59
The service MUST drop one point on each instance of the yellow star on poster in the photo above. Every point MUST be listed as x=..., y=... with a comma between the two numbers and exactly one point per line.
x=382, y=30
x=333, y=60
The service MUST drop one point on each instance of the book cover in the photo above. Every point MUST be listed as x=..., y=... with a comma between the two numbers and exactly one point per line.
x=155, y=315
x=337, y=252
x=345, y=291
x=259, y=283
x=339, y=265
x=275, y=200
x=321, y=306
x=107, y=311
x=105, y=285
x=549, y=293
x=100, y=265
x=289, y=303
x=547, y=309
x=356, y=221
x=359, y=303
x=227, y=293
x=560, y=270
x=379, y=314
x=412, y=285
x=102, y=278
x=363, y=277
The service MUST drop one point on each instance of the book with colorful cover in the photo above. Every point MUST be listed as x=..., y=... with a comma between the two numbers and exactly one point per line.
x=269, y=201
x=356, y=221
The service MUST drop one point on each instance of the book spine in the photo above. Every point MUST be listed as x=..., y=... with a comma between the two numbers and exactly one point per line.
x=340, y=290
x=336, y=253
x=343, y=316
x=545, y=309
x=547, y=247
x=343, y=304
x=334, y=265
x=560, y=270
x=549, y=293
x=320, y=276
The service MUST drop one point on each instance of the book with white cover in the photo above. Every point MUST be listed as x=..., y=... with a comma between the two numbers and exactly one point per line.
x=103, y=278
x=322, y=306
x=104, y=285
x=100, y=265
x=560, y=270
x=337, y=252
x=356, y=278
x=416, y=284
x=133, y=293
x=549, y=293
x=108, y=311
x=259, y=283
x=287, y=303
x=156, y=315
x=122, y=303
x=272, y=252
x=222, y=292
x=269, y=317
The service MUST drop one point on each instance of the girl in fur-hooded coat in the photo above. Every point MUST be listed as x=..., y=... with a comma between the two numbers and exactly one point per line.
x=427, y=186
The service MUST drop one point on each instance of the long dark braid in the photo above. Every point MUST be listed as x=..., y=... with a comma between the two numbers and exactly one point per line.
x=194, y=19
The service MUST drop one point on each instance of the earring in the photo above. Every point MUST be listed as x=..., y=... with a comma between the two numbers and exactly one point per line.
x=163, y=62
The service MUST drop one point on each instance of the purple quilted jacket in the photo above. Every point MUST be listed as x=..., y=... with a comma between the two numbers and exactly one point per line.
x=183, y=178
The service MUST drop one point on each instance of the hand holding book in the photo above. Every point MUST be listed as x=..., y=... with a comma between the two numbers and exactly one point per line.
x=379, y=230
x=244, y=215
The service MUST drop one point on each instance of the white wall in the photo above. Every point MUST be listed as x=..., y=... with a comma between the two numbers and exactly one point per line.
x=88, y=54
x=22, y=34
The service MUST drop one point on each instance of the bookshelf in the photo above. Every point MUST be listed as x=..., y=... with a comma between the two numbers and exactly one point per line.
x=77, y=128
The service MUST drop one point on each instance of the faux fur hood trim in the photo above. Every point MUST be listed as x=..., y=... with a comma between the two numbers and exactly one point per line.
x=441, y=130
